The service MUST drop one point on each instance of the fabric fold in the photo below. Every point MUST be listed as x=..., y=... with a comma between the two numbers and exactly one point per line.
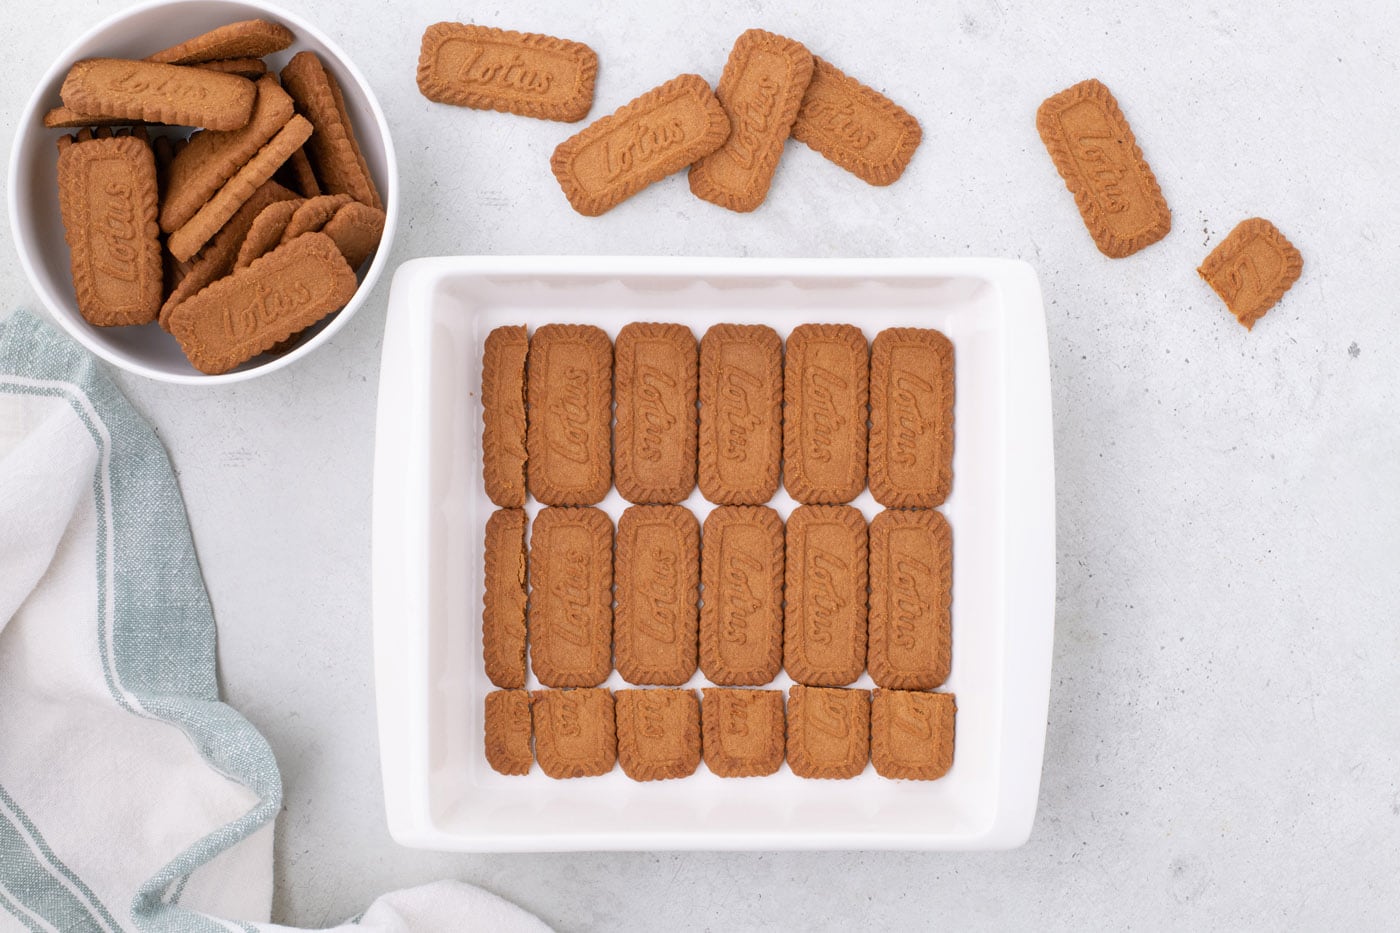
x=107, y=655
x=131, y=796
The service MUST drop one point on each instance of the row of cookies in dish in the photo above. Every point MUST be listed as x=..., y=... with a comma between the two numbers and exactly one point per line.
x=825, y=597
x=826, y=413
x=661, y=734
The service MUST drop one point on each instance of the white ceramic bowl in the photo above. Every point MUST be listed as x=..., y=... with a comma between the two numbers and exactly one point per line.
x=34, y=214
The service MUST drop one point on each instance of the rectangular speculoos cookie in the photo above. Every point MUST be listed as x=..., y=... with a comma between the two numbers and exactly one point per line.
x=249, y=38
x=157, y=93
x=333, y=149
x=911, y=734
x=508, y=731
x=1097, y=155
x=356, y=229
x=761, y=89
x=107, y=199
x=503, y=600
x=911, y=417
x=571, y=577
x=741, y=413
x=656, y=368
x=658, y=733
x=824, y=632
x=658, y=594
x=855, y=126
x=250, y=68
x=514, y=72
x=257, y=307
x=569, y=432
x=911, y=589
x=503, y=415
x=741, y=620
x=575, y=732
x=655, y=135
x=744, y=732
x=828, y=732
x=67, y=119
x=826, y=389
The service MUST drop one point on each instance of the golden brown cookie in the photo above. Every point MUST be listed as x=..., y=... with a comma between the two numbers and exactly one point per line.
x=855, y=126
x=284, y=292
x=656, y=135
x=656, y=368
x=513, y=72
x=824, y=630
x=508, y=731
x=575, y=732
x=741, y=413
x=658, y=733
x=107, y=196
x=63, y=118
x=156, y=93
x=503, y=599
x=333, y=149
x=503, y=415
x=252, y=38
x=1252, y=268
x=912, y=391
x=761, y=88
x=356, y=229
x=571, y=597
x=911, y=590
x=658, y=594
x=250, y=68
x=266, y=232
x=911, y=734
x=1097, y=155
x=188, y=239
x=828, y=732
x=741, y=621
x=213, y=157
x=744, y=733
x=826, y=389
x=217, y=258
x=570, y=423
x=313, y=214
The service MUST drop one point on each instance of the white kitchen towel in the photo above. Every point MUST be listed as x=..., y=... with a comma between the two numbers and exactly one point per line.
x=131, y=797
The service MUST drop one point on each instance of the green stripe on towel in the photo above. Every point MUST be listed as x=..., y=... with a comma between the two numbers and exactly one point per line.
x=161, y=628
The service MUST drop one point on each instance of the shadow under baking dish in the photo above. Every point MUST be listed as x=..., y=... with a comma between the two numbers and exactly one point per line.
x=465, y=804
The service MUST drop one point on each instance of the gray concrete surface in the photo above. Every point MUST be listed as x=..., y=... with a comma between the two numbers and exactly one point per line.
x=1223, y=748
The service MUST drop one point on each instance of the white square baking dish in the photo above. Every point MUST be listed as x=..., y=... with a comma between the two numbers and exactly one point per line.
x=430, y=509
